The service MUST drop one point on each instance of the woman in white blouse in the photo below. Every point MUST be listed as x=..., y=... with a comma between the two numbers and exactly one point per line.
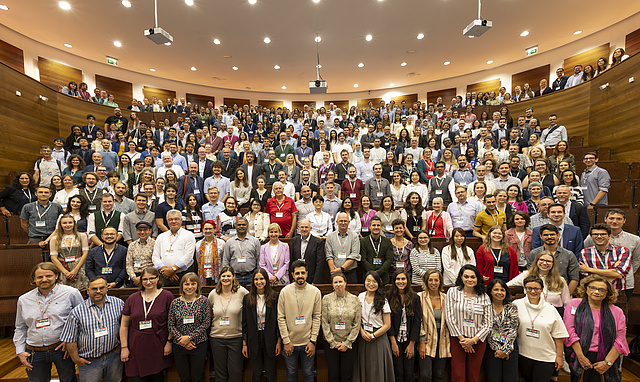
x=240, y=188
x=416, y=186
x=258, y=220
x=62, y=196
x=456, y=255
x=355, y=224
x=469, y=318
x=318, y=157
x=321, y=222
x=398, y=190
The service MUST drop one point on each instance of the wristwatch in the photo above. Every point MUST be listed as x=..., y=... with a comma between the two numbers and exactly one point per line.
x=608, y=363
x=342, y=269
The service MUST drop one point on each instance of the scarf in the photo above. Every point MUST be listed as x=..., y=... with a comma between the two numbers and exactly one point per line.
x=584, y=325
x=214, y=271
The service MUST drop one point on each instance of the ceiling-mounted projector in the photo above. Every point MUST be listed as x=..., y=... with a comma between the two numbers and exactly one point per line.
x=158, y=35
x=477, y=28
x=318, y=87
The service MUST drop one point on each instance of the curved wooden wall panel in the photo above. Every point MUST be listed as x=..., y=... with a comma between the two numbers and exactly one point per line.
x=484, y=86
x=12, y=56
x=589, y=57
x=54, y=74
x=632, y=42
x=300, y=105
x=531, y=76
x=446, y=94
x=121, y=90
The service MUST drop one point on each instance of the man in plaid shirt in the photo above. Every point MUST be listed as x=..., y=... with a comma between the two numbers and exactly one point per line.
x=607, y=260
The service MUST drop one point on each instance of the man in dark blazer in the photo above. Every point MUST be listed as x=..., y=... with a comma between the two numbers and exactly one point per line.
x=561, y=81
x=544, y=88
x=204, y=164
x=191, y=183
x=313, y=254
x=229, y=165
x=577, y=212
x=376, y=251
x=570, y=235
x=252, y=169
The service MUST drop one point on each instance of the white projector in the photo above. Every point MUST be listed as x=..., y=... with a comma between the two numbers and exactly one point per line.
x=318, y=87
x=158, y=35
x=477, y=28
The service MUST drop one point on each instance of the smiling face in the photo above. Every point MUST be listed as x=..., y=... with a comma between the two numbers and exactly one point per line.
x=469, y=278
x=370, y=284
x=545, y=263
x=498, y=293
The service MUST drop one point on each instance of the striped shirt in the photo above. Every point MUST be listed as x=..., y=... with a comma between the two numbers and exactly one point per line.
x=95, y=329
x=468, y=317
x=32, y=306
x=422, y=261
x=614, y=257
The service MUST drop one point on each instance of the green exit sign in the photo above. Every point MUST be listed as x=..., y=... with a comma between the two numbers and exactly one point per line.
x=112, y=61
x=531, y=51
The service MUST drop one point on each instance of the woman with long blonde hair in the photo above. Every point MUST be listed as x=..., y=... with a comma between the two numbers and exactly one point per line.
x=69, y=251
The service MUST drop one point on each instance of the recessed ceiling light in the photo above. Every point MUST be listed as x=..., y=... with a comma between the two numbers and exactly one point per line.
x=392, y=84
x=411, y=51
x=319, y=66
x=524, y=34
x=253, y=1
x=234, y=67
x=403, y=64
x=316, y=1
x=355, y=85
x=126, y=3
x=188, y=2
x=284, y=87
x=4, y=7
x=216, y=41
x=420, y=36
x=447, y=62
x=318, y=39
x=64, y=5
x=360, y=65
x=276, y=67
x=168, y=43
x=489, y=62
x=193, y=68
x=472, y=36
x=152, y=70
x=577, y=32
x=368, y=37
x=68, y=45
x=117, y=43
x=267, y=40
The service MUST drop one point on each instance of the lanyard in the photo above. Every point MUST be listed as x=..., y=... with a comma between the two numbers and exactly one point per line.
x=91, y=199
x=534, y=318
x=261, y=310
x=495, y=219
x=279, y=206
x=40, y=215
x=106, y=222
x=27, y=194
x=144, y=306
x=342, y=243
x=104, y=253
x=99, y=318
x=224, y=310
x=432, y=231
x=341, y=307
x=377, y=250
x=171, y=242
x=496, y=258
x=298, y=304
x=53, y=294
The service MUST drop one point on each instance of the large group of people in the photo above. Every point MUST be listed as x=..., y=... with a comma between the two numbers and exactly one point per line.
x=247, y=199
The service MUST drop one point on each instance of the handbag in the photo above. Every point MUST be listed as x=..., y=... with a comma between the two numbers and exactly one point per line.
x=582, y=376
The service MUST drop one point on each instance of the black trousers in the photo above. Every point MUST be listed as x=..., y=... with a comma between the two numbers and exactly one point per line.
x=590, y=375
x=190, y=363
x=339, y=364
x=402, y=366
x=535, y=371
x=263, y=362
x=159, y=377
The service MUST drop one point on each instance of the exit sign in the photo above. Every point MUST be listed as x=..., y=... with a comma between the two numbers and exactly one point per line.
x=112, y=61
x=531, y=51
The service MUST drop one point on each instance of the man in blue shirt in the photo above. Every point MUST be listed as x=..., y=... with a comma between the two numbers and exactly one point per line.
x=108, y=260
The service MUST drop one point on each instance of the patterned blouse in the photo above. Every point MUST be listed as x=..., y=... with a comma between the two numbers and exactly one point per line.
x=401, y=257
x=190, y=319
x=505, y=329
x=341, y=319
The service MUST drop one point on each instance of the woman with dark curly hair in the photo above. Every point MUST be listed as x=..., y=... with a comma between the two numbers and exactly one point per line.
x=17, y=194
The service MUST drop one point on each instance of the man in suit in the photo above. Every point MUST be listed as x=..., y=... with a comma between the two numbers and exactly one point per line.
x=204, y=164
x=561, y=81
x=161, y=134
x=189, y=154
x=500, y=132
x=461, y=148
x=544, y=88
x=229, y=165
x=310, y=249
x=191, y=183
x=251, y=169
x=570, y=236
x=576, y=211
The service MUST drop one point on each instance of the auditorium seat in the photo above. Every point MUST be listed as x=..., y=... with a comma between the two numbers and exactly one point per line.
x=16, y=235
x=621, y=192
x=15, y=279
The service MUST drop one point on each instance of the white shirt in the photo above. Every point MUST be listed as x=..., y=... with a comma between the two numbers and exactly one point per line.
x=321, y=224
x=548, y=323
x=175, y=249
x=378, y=154
x=303, y=245
x=160, y=172
x=452, y=267
x=368, y=316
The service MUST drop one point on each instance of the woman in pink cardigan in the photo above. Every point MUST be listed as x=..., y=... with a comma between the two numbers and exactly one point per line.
x=519, y=237
x=495, y=259
x=274, y=257
x=438, y=221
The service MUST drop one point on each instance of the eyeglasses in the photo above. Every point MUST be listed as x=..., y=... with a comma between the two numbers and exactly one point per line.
x=149, y=279
x=95, y=289
x=600, y=290
x=545, y=261
x=532, y=289
x=599, y=234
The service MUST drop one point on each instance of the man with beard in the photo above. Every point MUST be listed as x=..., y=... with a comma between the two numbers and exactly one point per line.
x=92, y=334
x=39, y=324
x=108, y=260
x=299, y=312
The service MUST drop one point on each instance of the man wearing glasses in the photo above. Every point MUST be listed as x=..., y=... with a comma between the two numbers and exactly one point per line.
x=91, y=334
x=565, y=260
x=607, y=260
x=108, y=260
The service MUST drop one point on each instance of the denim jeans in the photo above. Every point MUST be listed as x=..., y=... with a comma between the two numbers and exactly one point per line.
x=307, y=363
x=41, y=362
x=108, y=367
x=245, y=280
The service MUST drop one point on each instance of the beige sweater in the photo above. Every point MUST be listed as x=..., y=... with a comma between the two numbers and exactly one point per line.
x=309, y=299
x=233, y=311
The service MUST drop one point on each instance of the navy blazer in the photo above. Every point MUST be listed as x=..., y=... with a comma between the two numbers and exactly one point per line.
x=165, y=136
x=571, y=239
x=314, y=256
x=186, y=186
x=546, y=90
x=580, y=218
